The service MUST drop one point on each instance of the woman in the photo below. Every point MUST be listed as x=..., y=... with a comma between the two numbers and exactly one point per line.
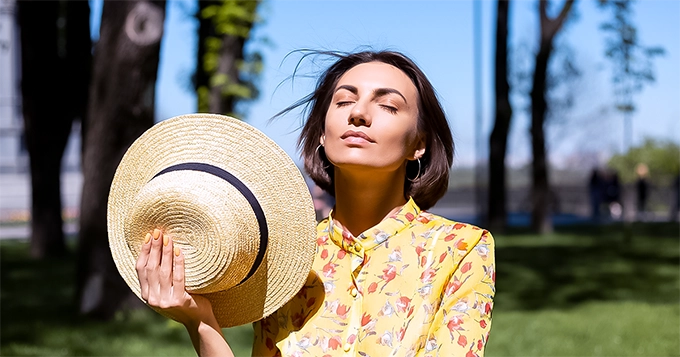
x=389, y=279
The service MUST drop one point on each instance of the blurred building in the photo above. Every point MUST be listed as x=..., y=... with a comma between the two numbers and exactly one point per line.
x=13, y=155
x=15, y=192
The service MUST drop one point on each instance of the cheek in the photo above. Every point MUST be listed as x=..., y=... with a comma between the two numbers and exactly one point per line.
x=332, y=122
x=412, y=136
x=404, y=135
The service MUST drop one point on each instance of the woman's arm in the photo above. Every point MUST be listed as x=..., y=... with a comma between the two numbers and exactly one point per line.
x=160, y=268
x=462, y=323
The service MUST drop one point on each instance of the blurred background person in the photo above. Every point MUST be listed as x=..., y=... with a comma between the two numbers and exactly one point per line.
x=595, y=191
x=612, y=193
x=641, y=189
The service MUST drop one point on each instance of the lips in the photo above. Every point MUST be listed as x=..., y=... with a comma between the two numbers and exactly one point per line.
x=356, y=135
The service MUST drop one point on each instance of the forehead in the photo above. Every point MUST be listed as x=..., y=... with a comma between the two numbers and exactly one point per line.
x=372, y=75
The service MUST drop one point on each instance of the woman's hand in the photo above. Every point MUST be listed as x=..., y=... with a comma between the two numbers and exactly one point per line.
x=160, y=268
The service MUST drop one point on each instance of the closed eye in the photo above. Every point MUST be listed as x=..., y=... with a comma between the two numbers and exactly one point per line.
x=343, y=103
x=390, y=109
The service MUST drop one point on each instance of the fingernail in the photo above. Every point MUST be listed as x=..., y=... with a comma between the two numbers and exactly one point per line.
x=177, y=251
x=156, y=233
x=165, y=240
x=147, y=238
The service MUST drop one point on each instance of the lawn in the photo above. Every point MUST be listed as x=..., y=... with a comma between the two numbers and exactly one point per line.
x=588, y=291
x=583, y=291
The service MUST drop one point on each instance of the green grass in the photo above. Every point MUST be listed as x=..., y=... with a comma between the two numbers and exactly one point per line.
x=588, y=291
x=583, y=291
x=589, y=329
x=38, y=316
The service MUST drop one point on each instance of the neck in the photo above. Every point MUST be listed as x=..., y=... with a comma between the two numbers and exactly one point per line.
x=363, y=200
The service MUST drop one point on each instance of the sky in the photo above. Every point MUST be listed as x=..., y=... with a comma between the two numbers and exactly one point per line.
x=439, y=36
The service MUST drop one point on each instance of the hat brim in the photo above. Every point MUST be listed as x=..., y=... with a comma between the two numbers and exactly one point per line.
x=263, y=167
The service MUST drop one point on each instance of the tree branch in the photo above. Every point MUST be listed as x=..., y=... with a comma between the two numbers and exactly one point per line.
x=566, y=9
x=550, y=27
x=543, y=11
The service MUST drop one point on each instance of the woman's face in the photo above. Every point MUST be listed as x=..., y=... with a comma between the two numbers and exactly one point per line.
x=372, y=120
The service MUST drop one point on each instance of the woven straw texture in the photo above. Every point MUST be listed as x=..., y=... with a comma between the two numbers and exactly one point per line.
x=209, y=219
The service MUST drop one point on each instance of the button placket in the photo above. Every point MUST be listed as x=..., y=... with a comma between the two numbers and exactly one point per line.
x=354, y=257
x=357, y=253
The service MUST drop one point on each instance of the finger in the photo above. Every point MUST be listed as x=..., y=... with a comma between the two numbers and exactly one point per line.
x=166, y=265
x=178, y=273
x=141, y=266
x=153, y=266
x=155, y=253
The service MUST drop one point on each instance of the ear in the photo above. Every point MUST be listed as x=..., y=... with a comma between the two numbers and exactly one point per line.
x=322, y=139
x=419, y=149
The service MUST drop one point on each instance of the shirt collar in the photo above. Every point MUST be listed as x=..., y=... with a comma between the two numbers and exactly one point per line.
x=377, y=234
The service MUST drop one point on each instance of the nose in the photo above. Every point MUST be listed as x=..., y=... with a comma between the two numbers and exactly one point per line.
x=359, y=115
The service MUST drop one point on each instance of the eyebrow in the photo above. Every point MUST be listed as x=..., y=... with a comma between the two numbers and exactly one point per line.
x=379, y=92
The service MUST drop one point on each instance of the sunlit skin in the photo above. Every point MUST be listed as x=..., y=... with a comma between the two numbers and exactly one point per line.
x=160, y=267
x=370, y=134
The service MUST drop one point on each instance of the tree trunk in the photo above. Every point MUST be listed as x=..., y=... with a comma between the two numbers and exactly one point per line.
x=226, y=72
x=55, y=72
x=499, y=136
x=540, y=189
x=224, y=26
x=79, y=57
x=121, y=109
x=540, y=215
x=230, y=53
x=206, y=29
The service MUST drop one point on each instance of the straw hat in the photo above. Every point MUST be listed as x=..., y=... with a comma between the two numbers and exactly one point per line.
x=230, y=198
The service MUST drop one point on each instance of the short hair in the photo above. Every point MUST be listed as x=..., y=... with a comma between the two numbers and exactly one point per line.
x=432, y=172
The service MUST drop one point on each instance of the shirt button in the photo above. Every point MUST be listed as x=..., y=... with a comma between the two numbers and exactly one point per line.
x=353, y=292
x=357, y=248
x=347, y=347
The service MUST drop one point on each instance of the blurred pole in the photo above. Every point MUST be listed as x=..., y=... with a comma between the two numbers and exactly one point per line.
x=628, y=126
x=627, y=132
x=477, y=43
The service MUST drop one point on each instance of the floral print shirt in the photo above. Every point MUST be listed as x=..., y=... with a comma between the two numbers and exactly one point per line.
x=416, y=284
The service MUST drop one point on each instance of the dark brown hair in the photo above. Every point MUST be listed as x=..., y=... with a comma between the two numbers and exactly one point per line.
x=433, y=127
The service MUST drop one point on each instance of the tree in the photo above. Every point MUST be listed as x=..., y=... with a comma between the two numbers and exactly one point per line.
x=662, y=158
x=540, y=191
x=55, y=72
x=632, y=61
x=498, y=141
x=121, y=108
x=225, y=74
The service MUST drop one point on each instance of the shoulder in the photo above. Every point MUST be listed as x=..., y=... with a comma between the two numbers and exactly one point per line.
x=460, y=234
x=446, y=224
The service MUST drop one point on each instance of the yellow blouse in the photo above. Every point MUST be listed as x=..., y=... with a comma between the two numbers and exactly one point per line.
x=416, y=284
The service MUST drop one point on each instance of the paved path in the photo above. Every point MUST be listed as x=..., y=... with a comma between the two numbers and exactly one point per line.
x=15, y=200
x=23, y=231
x=15, y=191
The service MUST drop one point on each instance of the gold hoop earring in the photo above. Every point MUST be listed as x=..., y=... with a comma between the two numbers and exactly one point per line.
x=316, y=152
x=418, y=175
